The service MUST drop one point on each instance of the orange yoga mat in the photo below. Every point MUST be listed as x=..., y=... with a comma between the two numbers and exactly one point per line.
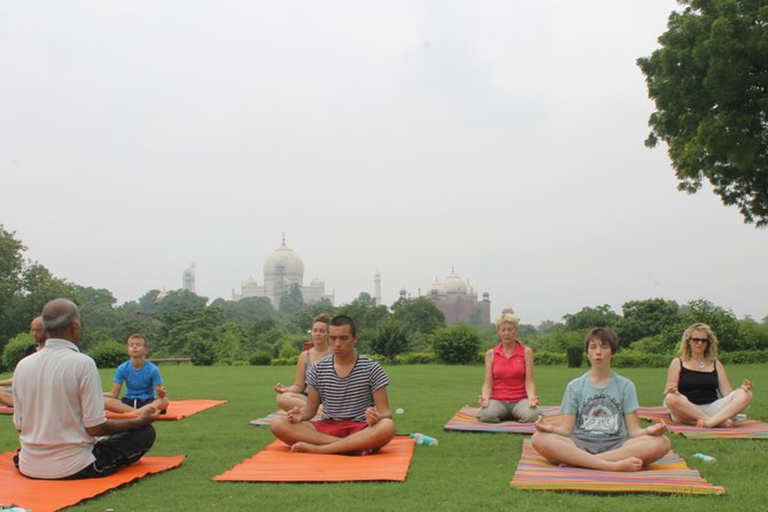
x=276, y=463
x=45, y=495
x=177, y=409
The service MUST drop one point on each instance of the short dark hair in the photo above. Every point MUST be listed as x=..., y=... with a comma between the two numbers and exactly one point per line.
x=604, y=335
x=342, y=320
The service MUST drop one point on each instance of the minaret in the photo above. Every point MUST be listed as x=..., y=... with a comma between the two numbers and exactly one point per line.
x=188, y=279
x=377, y=288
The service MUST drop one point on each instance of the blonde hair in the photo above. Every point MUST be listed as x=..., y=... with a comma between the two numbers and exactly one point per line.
x=710, y=353
x=508, y=318
x=323, y=318
x=138, y=336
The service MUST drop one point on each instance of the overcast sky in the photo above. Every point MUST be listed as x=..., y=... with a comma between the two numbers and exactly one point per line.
x=503, y=139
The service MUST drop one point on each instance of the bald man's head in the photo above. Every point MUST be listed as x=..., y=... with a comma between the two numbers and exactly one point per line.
x=38, y=330
x=61, y=318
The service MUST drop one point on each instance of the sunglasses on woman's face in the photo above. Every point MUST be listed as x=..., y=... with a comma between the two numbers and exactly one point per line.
x=699, y=340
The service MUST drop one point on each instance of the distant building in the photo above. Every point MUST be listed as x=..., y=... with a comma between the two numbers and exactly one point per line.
x=458, y=301
x=282, y=270
x=377, y=288
x=188, y=279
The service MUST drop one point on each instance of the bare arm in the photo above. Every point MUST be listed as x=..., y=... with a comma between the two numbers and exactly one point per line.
x=6, y=382
x=530, y=386
x=309, y=410
x=723, y=383
x=115, y=391
x=673, y=377
x=634, y=430
x=485, y=391
x=299, y=379
x=565, y=428
x=115, y=426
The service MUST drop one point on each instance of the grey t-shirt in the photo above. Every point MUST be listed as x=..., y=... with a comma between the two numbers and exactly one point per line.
x=600, y=411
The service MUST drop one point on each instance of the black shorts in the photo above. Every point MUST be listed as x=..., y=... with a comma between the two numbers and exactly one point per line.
x=138, y=403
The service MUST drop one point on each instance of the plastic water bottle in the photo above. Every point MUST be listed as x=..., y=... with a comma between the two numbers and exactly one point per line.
x=704, y=457
x=424, y=439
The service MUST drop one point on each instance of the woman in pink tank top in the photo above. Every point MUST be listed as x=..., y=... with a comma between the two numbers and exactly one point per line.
x=508, y=392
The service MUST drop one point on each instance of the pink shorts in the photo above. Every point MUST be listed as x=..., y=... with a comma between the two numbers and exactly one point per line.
x=339, y=428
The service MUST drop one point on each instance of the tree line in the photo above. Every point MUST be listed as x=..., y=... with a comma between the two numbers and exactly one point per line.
x=252, y=331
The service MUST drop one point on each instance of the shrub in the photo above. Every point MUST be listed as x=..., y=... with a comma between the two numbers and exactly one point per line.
x=261, y=358
x=416, y=358
x=744, y=357
x=575, y=356
x=15, y=349
x=288, y=351
x=378, y=358
x=631, y=358
x=283, y=361
x=108, y=354
x=390, y=340
x=200, y=351
x=549, y=358
x=456, y=345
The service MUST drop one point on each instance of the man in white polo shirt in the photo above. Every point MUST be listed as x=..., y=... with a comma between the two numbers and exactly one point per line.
x=59, y=409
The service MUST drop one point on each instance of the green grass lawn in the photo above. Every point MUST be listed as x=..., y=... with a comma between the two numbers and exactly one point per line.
x=467, y=471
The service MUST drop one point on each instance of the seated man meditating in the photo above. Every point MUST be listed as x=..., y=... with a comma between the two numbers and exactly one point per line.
x=353, y=391
x=600, y=427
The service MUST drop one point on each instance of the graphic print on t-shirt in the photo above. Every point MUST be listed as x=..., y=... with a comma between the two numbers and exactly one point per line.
x=601, y=416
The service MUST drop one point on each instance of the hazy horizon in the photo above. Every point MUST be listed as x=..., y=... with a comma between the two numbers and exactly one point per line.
x=500, y=139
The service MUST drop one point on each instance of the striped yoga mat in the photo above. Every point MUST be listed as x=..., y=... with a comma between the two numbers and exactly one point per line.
x=466, y=420
x=747, y=429
x=669, y=475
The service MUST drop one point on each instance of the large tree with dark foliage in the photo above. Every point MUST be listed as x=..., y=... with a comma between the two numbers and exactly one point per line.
x=709, y=81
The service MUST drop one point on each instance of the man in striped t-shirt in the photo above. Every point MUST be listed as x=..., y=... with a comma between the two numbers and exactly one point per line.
x=353, y=391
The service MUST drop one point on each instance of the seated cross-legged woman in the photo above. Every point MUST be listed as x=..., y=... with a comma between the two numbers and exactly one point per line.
x=694, y=380
x=508, y=392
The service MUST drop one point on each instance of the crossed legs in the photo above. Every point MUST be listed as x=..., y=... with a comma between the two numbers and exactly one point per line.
x=631, y=456
x=303, y=437
x=684, y=411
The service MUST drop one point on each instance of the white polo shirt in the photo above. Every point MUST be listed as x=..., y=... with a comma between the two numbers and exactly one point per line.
x=56, y=395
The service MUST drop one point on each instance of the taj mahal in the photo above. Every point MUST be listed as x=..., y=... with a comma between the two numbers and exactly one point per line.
x=283, y=269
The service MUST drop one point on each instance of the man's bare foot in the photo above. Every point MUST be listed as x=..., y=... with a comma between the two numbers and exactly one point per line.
x=302, y=447
x=629, y=464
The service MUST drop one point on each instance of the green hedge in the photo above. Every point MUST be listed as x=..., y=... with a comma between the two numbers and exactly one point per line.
x=285, y=361
x=109, y=354
x=261, y=358
x=633, y=359
x=549, y=358
x=744, y=357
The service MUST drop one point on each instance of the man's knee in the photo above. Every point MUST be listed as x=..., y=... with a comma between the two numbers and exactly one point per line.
x=279, y=425
x=147, y=436
x=387, y=426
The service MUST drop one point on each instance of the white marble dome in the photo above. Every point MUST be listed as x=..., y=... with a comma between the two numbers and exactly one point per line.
x=454, y=284
x=284, y=262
